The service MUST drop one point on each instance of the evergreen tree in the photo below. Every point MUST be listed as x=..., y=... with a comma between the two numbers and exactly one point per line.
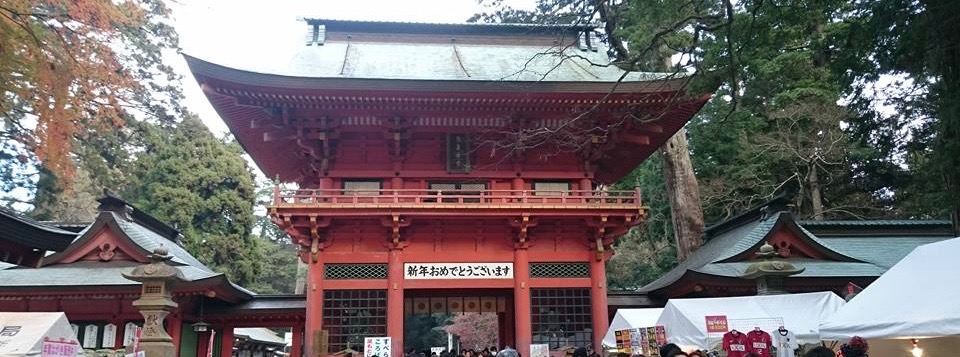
x=202, y=186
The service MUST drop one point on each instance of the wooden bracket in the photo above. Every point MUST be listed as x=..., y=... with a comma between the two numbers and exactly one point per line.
x=395, y=223
x=523, y=225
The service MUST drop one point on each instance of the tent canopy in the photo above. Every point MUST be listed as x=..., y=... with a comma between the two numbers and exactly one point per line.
x=25, y=332
x=685, y=319
x=630, y=318
x=918, y=297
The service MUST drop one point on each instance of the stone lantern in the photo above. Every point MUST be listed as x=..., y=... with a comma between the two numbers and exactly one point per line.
x=156, y=302
x=770, y=271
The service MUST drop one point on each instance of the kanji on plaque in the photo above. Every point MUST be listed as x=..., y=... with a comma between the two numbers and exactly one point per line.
x=376, y=347
x=424, y=271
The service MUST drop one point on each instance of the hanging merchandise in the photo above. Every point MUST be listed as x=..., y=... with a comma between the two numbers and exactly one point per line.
x=758, y=342
x=735, y=343
x=785, y=342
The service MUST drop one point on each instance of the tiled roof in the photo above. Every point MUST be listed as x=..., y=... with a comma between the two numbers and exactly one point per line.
x=259, y=334
x=144, y=232
x=556, y=57
x=719, y=246
x=83, y=273
x=149, y=240
x=29, y=233
x=868, y=255
x=882, y=251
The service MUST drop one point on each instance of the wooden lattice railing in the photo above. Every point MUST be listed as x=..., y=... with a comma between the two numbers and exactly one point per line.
x=456, y=198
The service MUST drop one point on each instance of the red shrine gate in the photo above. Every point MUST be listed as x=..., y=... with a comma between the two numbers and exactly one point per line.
x=404, y=198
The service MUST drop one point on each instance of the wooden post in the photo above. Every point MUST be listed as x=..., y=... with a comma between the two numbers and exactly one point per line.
x=226, y=341
x=174, y=325
x=395, y=301
x=521, y=300
x=598, y=301
x=296, y=346
x=314, y=322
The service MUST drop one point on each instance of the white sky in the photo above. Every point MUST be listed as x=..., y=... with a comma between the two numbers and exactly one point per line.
x=223, y=31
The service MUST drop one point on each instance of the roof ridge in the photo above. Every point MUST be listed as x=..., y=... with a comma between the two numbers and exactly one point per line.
x=575, y=26
x=110, y=202
x=776, y=204
x=878, y=222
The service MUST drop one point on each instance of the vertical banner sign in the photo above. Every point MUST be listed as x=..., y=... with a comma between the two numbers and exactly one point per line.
x=651, y=333
x=59, y=349
x=76, y=331
x=637, y=342
x=717, y=324
x=661, y=335
x=376, y=347
x=210, y=343
x=539, y=350
x=136, y=338
x=109, y=336
x=90, y=336
x=623, y=340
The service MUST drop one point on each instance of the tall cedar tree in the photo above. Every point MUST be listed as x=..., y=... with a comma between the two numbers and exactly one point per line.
x=73, y=65
x=203, y=187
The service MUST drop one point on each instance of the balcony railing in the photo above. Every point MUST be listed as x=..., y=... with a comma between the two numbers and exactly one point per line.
x=604, y=199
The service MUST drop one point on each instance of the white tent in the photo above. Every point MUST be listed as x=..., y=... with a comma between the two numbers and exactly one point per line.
x=25, y=333
x=630, y=318
x=685, y=319
x=918, y=297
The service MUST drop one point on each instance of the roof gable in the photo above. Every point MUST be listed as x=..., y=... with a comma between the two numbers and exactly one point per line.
x=102, y=243
x=113, y=233
x=789, y=238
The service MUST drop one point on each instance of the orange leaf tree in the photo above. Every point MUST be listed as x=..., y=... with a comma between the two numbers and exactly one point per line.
x=71, y=66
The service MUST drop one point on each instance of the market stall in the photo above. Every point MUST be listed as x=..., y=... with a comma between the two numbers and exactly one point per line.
x=707, y=323
x=918, y=298
x=630, y=319
x=36, y=334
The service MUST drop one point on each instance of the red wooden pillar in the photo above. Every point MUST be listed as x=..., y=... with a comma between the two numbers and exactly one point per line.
x=598, y=302
x=226, y=341
x=118, y=342
x=296, y=345
x=521, y=300
x=174, y=324
x=395, y=301
x=314, y=309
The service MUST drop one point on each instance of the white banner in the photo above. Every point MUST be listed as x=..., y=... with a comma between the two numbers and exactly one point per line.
x=376, y=347
x=427, y=271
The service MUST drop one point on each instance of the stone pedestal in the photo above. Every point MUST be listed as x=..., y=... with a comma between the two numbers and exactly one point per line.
x=156, y=302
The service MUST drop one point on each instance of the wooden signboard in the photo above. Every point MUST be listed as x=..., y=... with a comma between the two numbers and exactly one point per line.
x=458, y=153
x=321, y=346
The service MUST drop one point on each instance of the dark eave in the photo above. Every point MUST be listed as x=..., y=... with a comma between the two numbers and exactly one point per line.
x=28, y=233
